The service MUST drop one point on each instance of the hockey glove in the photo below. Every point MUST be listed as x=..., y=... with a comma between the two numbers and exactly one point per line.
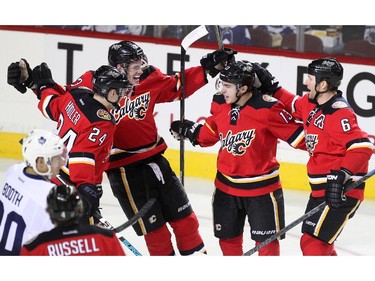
x=91, y=195
x=217, y=60
x=185, y=129
x=20, y=76
x=336, y=182
x=42, y=77
x=268, y=83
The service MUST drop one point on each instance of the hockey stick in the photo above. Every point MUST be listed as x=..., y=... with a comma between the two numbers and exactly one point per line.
x=307, y=215
x=218, y=37
x=146, y=207
x=189, y=39
x=121, y=238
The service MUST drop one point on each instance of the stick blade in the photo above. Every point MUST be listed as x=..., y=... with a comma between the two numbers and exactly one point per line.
x=193, y=36
x=146, y=207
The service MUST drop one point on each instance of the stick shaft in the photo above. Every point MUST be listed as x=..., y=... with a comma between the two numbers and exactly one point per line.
x=218, y=37
x=189, y=39
x=121, y=238
x=182, y=117
x=305, y=216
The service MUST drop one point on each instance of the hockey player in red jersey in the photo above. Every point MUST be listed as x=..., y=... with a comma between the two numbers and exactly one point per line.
x=137, y=169
x=339, y=151
x=248, y=125
x=85, y=124
x=69, y=237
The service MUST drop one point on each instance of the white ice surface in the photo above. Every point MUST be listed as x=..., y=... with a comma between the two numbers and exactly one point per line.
x=357, y=239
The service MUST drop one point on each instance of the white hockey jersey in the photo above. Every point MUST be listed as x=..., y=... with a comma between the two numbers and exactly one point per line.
x=23, y=215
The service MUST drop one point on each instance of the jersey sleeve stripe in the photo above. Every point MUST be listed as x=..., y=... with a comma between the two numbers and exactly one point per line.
x=360, y=143
x=45, y=107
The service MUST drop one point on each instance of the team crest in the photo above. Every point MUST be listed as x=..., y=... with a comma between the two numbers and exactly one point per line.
x=133, y=108
x=237, y=143
x=268, y=98
x=339, y=104
x=103, y=114
x=42, y=140
x=311, y=142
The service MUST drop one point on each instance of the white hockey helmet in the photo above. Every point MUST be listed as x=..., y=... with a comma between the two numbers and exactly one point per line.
x=42, y=143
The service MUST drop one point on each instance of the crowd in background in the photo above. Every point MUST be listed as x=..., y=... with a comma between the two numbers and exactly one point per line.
x=351, y=40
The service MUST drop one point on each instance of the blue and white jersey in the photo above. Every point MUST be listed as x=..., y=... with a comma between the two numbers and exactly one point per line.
x=23, y=202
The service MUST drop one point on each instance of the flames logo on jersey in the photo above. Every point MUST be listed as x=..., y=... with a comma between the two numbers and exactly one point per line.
x=237, y=143
x=103, y=114
x=311, y=142
x=133, y=109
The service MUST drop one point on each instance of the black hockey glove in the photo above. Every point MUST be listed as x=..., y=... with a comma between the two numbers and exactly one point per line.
x=42, y=77
x=336, y=183
x=20, y=71
x=268, y=83
x=91, y=195
x=187, y=129
x=217, y=60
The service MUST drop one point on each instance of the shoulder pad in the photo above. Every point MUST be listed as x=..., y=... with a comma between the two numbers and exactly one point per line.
x=103, y=114
x=269, y=98
x=339, y=104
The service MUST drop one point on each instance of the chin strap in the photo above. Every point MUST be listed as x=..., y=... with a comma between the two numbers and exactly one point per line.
x=238, y=98
x=315, y=99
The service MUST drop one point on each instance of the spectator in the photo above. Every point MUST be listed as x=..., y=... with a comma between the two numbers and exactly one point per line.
x=349, y=33
x=231, y=34
x=370, y=33
x=177, y=31
x=277, y=32
x=77, y=27
x=122, y=29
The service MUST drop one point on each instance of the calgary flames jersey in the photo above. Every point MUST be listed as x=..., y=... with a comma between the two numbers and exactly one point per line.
x=86, y=127
x=246, y=163
x=333, y=139
x=136, y=136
